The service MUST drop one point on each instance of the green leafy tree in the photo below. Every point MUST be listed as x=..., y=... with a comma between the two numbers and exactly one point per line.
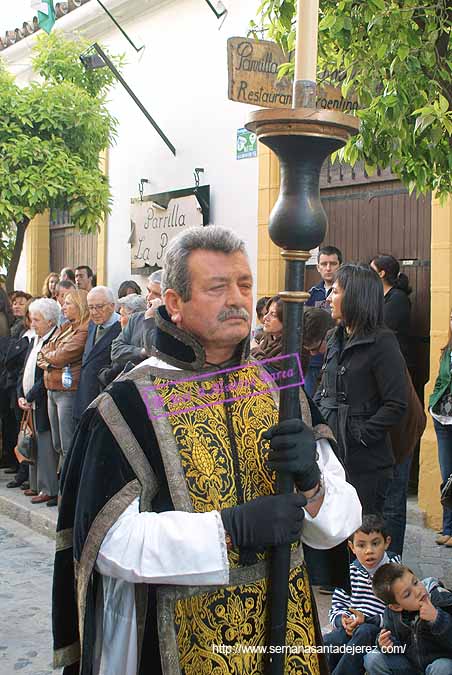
x=396, y=56
x=51, y=135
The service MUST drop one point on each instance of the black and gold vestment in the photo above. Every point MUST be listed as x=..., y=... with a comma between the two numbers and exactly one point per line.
x=160, y=435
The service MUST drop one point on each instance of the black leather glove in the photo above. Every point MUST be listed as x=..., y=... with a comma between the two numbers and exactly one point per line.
x=265, y=521
x=294, y=452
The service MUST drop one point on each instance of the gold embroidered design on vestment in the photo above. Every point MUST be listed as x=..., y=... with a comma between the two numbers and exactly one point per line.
x=222, y=455
x=224, y=632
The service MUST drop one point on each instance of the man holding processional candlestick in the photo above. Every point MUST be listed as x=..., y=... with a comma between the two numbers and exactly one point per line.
x=169, y=506
x=168, y=503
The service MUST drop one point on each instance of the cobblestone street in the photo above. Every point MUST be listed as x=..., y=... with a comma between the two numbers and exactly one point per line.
x=26, y=563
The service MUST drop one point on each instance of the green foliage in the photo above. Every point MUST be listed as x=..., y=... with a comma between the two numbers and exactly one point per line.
x=51, y=135
x=396, y=56
x=58, y=60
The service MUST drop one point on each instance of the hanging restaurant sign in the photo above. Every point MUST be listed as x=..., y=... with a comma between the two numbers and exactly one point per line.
x=253, y=78
x=157, y=219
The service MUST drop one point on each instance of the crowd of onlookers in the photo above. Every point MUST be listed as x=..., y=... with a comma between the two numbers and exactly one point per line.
x=356, y=361
x=58, y=351
x=356, y=365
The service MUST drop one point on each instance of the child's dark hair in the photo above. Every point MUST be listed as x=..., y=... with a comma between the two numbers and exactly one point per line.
x=371, y=522
x=383, y=581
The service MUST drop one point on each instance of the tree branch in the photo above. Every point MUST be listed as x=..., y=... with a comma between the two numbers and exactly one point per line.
x=17, y=251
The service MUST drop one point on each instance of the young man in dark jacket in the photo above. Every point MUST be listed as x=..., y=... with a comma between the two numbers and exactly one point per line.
x=417, y=633
x=328, y=261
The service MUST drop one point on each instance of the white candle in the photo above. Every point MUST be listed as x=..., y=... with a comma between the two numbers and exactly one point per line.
x=306, y=45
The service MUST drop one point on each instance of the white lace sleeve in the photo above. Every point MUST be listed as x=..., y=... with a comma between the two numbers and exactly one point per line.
x=340, y=513
x=173, y=547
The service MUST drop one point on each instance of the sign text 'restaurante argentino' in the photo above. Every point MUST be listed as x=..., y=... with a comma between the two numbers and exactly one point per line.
x=253, y=78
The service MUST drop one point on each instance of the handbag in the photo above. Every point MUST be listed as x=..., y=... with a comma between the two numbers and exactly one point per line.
x=407, y=432
x=26, y=445
x=446, y=493
x=445, y=405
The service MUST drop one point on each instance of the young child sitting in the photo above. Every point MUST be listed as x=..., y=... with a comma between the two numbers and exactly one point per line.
x=357, y=618
x=417, y=634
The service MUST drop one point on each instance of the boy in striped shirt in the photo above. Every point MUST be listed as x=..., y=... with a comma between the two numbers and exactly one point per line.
x=358, y=618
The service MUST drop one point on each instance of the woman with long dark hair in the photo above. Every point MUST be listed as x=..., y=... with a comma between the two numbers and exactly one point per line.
x=404, y=437
x=271, y=343
x=440, y=405
x=363, y=391
x=397, y=305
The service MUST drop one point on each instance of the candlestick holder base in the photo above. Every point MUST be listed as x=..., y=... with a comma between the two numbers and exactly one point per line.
x=301, y=138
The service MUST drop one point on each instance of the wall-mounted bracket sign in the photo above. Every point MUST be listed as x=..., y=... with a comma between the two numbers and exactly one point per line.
x=253, y=78
x=157, y=219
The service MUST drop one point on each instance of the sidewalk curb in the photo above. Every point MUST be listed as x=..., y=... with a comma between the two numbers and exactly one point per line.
x=37, y=522
x=14, y=504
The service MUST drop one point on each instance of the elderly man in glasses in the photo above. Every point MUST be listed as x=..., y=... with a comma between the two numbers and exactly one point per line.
x=103, y=327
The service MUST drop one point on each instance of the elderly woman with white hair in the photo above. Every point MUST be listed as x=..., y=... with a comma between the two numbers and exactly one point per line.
x=32, y=395
x=130, y=304
x=135, y=339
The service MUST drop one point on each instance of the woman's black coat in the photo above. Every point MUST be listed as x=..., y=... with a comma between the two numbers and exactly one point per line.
x=362, y=394
x=396, y=313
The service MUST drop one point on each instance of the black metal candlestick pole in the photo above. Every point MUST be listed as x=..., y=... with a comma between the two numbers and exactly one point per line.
x=302, y=138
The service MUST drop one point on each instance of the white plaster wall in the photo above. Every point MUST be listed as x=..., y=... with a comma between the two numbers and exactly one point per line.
x=182, y=80
x=20, y=282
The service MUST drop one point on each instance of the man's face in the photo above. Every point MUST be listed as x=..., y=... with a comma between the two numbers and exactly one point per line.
x=153, y=291
x=82, y=280
x=100, y=309
x=327, y=267
x=408, y=592
x=62, y=292
x=369, y=548
x=221, y=304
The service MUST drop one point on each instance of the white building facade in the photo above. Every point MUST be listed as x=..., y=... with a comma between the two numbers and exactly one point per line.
x=181, y=78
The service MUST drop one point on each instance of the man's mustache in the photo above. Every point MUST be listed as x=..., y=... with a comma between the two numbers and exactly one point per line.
x=239, y=313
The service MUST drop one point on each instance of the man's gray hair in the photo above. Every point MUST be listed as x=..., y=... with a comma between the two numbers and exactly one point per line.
x=48, y=308
x=105, y=290
x=133, y=303
x=155, y=277
x=210, y=238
